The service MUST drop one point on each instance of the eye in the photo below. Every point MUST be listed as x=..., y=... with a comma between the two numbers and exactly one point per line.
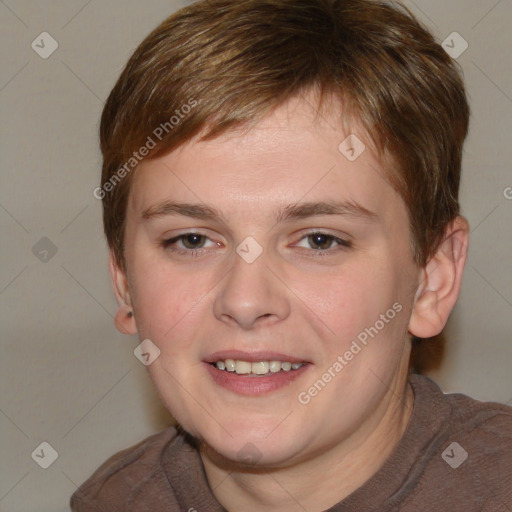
x=187, y=242
x=323, y=241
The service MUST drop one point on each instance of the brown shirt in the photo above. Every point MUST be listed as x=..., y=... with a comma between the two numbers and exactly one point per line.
x=455, y=455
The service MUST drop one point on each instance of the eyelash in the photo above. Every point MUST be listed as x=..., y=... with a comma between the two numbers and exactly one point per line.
x=166, y=244
x=343, y=244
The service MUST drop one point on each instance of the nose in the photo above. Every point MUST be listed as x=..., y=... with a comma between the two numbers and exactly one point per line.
x=252, y=294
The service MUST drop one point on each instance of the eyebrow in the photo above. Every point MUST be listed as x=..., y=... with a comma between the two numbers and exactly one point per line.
x=304, y=210
x=166, y=208
x=290, y=212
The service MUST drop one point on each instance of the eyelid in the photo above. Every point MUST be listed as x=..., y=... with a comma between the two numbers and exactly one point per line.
x=342, y=242
x=187, y=231
x=167, y=242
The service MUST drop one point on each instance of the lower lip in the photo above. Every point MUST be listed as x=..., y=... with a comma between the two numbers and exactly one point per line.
x=254, y=385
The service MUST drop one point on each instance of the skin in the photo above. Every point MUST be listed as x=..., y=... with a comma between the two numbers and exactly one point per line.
x=294, y=298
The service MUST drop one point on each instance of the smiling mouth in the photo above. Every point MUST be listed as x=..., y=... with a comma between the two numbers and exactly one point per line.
x=256, y=369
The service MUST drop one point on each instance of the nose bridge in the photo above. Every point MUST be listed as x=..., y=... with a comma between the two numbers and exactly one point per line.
x=250, y=291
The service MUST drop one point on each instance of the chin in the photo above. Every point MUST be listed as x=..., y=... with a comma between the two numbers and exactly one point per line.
x=252, y=446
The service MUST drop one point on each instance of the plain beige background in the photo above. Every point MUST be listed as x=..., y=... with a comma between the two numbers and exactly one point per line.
x=67, y=377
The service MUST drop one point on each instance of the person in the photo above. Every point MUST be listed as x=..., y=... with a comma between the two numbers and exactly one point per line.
x=280, y=197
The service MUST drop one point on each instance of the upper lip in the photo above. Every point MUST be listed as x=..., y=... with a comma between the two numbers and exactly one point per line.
x=252, y=357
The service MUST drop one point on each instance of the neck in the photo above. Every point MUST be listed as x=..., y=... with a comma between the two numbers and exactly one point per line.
x=321, y=481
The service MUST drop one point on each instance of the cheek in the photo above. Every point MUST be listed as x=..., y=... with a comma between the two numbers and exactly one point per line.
x=169, y=301
x=348, y=299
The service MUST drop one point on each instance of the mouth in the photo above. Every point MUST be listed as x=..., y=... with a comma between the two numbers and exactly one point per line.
x=257, y=368
x=254, y=374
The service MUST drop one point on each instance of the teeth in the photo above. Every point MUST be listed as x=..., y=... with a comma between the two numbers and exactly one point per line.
x=258, y=368
x=243, y=367
x=230, y=365
x=275, y=366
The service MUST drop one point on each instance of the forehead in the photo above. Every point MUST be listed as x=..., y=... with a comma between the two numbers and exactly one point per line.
x=290, y=156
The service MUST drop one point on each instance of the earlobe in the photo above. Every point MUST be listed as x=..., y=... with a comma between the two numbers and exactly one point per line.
x=124, y=319
x=440, y=282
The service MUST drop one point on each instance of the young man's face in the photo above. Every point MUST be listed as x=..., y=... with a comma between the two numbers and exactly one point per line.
x=332, y=288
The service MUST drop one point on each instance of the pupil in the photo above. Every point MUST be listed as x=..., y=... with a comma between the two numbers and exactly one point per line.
x=193, y=240
x=323, y=241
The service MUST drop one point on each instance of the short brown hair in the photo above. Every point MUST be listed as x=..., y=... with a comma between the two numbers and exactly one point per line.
x=235, y=62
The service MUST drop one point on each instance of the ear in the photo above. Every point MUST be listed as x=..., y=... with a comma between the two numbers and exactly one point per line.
x=440, y=282
x=125, y=318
